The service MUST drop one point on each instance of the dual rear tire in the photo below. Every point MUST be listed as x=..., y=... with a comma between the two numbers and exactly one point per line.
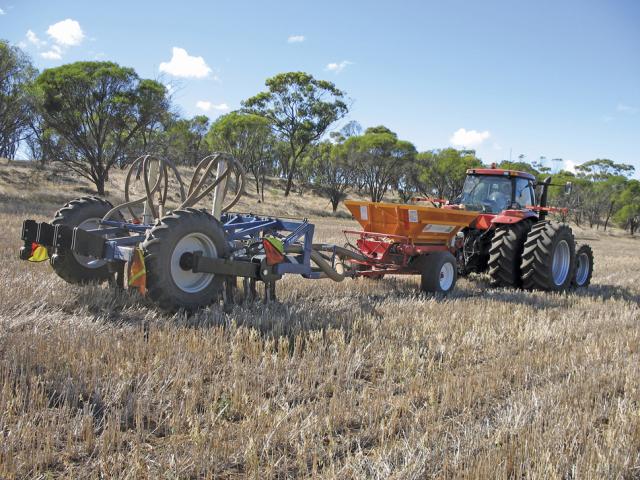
x=539, y=256
x=549, y=257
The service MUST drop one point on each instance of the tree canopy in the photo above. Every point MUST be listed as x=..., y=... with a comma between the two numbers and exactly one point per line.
x=95, y=109
x=300, y=109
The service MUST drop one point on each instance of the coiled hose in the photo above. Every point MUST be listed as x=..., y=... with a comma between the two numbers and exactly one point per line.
x=198, y=188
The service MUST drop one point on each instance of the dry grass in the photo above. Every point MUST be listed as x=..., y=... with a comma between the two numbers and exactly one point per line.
x=363, y=379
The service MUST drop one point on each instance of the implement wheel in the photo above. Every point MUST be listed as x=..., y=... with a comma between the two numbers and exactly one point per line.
x=505, y=254
x=548, y=260
x=170, y=281
x=85, y=213
x=584, y=266
x=439, y=272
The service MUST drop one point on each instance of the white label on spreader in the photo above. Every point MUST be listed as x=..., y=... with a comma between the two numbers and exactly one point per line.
x=364, y=212
x=432, y=228
x=413, y=216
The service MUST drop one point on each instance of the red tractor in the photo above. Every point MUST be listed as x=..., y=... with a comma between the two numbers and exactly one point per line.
x=511, y=237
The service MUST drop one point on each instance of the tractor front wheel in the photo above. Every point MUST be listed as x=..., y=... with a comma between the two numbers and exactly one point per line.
x=548, y=260
x=170, y=281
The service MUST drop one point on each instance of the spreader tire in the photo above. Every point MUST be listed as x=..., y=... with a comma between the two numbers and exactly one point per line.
x=584, y=266
x=548, y=260
x=438, y=272
x=171, y=283
x=505, y=254
x=85, y=213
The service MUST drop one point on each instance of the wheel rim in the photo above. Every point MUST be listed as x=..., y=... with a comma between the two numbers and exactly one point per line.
x=186, y=280
x=582, y=270
x=89, y=262
x=446, y=276
x=561, y=262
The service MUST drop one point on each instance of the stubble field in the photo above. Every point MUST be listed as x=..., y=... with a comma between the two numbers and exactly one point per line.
x=362, y=379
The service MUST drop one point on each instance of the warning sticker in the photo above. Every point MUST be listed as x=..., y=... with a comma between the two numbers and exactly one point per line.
x=433, y=228
x=413, y=216
x=364, y=212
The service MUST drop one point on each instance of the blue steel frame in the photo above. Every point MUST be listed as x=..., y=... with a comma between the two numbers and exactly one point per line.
x=237, y=226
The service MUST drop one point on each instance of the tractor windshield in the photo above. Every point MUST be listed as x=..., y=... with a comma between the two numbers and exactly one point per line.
x=486, y=193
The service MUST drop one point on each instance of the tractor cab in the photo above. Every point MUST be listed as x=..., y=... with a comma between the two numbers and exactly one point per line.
x=493, y=190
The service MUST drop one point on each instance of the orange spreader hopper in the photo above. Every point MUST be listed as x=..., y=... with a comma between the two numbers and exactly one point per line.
x=420, y=224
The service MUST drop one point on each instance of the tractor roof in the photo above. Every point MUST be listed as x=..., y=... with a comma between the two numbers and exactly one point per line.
x=500, y=172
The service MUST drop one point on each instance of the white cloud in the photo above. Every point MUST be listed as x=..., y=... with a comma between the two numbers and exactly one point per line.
x=184, y=65
x=295, y=39
x=54, y=54
x=626, y=109
x=468, y=138
x=569, y=166
x=338, y=67
x=2, y=12
x=34, y=40
x=206, y=106
x=66, y=33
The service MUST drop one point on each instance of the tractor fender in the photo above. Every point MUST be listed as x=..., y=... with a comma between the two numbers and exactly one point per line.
x=508, y=217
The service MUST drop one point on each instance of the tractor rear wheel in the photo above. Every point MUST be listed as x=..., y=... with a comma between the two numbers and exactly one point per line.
x=439, y=272
x=505, y=254
x=548, y=260
x=170, y=281
x=85, y=213
x=584, y=266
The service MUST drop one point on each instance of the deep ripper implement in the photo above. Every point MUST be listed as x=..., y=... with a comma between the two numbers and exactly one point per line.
x=188, y=258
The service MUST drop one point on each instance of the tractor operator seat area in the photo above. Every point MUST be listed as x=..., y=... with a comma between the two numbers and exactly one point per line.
x=487, y=193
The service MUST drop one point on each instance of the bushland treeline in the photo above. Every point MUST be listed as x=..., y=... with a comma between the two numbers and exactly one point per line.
x=95, y=116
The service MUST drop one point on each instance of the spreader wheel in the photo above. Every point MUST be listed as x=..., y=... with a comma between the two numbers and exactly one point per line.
x=584, y=266
x=85, y=213
x=505, y=254
x=548, y=260
x=439, y=272
x=168, y=246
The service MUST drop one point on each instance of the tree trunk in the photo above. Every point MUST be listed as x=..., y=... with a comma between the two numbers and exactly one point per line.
x=606, y=221
x=99, y=182
x=289, y=183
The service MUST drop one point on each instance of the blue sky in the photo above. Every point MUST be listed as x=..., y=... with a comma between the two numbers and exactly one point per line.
x=559, y=79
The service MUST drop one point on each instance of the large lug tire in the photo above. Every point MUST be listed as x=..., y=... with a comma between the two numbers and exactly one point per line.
x=505, y=254
x=170, y=283
x=438, y=272
x=548, y=260
x=584, y=266
x=85, y=212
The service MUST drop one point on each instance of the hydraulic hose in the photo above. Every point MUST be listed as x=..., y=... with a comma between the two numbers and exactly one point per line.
x=321, y=262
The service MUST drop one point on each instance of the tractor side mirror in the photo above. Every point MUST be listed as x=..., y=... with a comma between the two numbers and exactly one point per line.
x=568, y=187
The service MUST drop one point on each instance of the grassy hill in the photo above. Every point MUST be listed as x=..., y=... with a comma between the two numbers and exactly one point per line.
x=358, y=379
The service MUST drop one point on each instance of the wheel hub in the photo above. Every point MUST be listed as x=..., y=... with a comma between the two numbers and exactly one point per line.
x=89, y=262
x=185, y=279
x=446, y=276
x=561, y=262
x=582, y=270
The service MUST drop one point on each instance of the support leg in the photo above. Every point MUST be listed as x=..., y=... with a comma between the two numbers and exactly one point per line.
x=249, y=287
x=270, y=291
